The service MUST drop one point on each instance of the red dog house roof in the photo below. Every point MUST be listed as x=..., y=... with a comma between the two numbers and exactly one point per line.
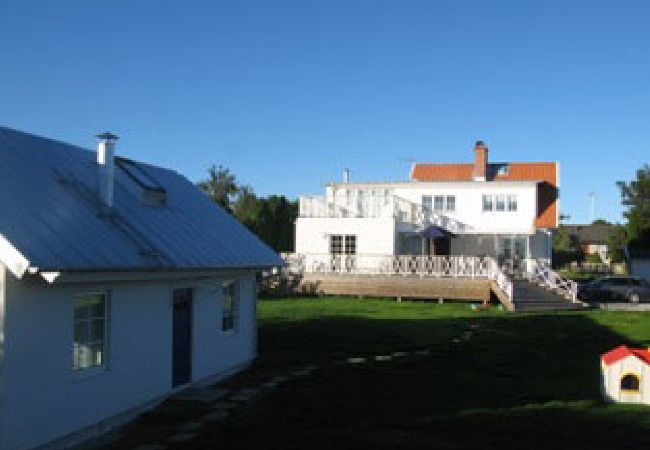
x=624, y=351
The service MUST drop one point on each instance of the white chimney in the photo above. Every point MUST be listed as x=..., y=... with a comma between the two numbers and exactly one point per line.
x=106, y=166
x=346, y=175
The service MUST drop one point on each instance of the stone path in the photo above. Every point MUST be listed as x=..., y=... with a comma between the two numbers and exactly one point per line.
x=222, y=402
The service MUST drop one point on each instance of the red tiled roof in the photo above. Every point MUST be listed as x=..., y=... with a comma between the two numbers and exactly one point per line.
x=624, y=351
x=442, y=172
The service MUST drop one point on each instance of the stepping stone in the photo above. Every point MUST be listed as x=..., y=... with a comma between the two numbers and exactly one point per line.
x=424, y=352
x=203, y=394
x=189, y=426
x=356, y=360
x=456, y=340
x=383, y=358
x=467, y=335
x=270, y=385
x=280, y=379
x=400, y=354
x=473, y=326
x=150, y=447
x=181, y=437
x=215, y=416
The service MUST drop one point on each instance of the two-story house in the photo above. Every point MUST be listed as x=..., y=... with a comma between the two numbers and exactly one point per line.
x=498, y=211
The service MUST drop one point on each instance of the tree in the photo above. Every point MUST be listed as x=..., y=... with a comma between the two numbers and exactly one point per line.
x=566, y=247
x=220, y=186
x=271, y=218
x=616, y=243
x=600, y=222
x=635, y=196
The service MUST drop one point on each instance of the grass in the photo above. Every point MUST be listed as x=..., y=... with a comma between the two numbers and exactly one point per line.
x=520, y=381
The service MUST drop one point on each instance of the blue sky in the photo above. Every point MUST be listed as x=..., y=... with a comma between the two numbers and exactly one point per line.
x=288, y=93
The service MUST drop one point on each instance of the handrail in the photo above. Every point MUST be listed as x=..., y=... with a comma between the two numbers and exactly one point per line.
x=541, y=271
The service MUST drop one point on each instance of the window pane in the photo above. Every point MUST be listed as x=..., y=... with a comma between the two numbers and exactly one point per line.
x=97, y=330
x=501, y=203
x=81, y=311
x=512, y=203
x=451, y=203
x=487, y=203
x=427, y=202
x=97, y=353
x=438, y=203
x=81, y=332
x=350, y=245
x=336, y=244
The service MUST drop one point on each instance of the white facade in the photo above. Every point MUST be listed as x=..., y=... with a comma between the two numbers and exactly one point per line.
x=385, y=219
x=44, y=399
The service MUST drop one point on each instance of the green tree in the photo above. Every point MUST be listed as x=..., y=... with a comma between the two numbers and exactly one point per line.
x=566, y=247
x=635, y=196
x=220, y=186
x=616, y=243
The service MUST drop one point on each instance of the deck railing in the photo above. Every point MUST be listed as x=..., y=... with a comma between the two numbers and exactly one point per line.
x=540, y=271
x=403, y=265
x=375, y=207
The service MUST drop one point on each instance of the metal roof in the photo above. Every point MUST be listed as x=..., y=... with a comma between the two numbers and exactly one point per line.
x=51, y=218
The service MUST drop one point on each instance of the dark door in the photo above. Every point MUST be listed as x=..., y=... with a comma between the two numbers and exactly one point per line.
x=182, y=337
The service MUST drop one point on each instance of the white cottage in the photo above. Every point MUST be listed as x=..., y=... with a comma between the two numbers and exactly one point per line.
x=626, y=375
x=120, y=282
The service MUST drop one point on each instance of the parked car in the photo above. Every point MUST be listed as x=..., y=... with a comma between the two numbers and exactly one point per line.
x=615, y=289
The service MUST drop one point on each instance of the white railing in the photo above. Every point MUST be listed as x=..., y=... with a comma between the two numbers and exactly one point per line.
x=404, y=265
x=375, y=207
x=540, y=271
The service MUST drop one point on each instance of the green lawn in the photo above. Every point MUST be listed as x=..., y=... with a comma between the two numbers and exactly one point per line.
x=492, y=380
x=520, y=381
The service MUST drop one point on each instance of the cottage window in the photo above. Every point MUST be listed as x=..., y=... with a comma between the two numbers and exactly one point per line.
x=89, y=342
x=630, y=383
x=512, y=203
x=343, y=244
x=438, y=203
x=451, y=203
x=229, y=306
x=488, y=204
x=501, y=203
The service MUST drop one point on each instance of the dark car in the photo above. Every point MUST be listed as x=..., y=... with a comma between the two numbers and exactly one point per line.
x=615, y=289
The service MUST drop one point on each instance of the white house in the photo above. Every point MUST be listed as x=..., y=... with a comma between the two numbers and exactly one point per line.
x=625, y=375
x=445, y=213
x=120, y=282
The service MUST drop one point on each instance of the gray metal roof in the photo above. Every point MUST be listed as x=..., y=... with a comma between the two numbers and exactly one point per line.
x=51, y=218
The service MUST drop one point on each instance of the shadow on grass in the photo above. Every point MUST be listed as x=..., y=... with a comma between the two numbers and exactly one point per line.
x=511, y=381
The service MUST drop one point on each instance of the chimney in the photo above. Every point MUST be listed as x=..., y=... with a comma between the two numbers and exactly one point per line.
x=480, y=161
x=106, y=166
x=346, y=175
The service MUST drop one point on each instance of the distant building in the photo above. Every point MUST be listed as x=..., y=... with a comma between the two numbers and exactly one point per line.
x=120, y=282
x=592, y=238
x=625, y=375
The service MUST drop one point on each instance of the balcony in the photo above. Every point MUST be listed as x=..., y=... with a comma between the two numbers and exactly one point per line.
x=380, y=206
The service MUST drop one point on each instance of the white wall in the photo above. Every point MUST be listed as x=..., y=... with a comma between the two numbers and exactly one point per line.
x=375, y=237
x=45, y=399
x=469, y=201
x=469, y=204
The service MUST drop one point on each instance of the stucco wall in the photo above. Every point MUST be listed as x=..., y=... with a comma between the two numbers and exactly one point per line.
x=45, y=399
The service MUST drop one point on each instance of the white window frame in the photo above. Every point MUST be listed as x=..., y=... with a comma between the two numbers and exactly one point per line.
x=512, y=203
x=488, y=203
x=103, y=365
x=438, y=203
x=450, y=206
x=229, y=294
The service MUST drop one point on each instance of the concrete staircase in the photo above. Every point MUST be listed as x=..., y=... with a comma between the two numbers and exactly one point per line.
x=529, y=296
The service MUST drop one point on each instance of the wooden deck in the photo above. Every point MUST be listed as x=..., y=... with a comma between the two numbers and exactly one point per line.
x=399, y=286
